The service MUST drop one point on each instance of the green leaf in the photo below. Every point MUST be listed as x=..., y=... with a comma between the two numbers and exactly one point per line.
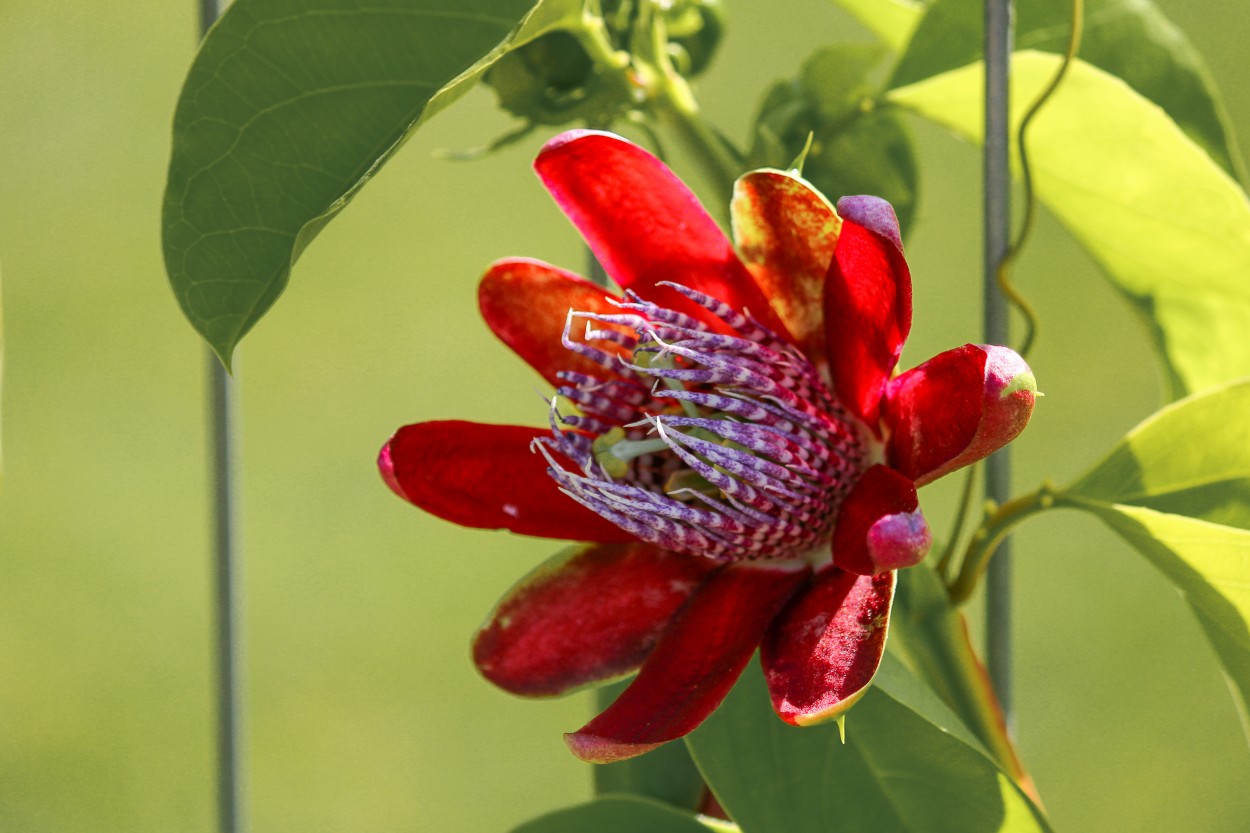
x=856, y=148
x=665, y=774
x=908, y=764
x=893, y=21
x=1177, y=488
x=1130, y=39
x=1191, y=458
x=1169, y=226
x=621, y=814
x=930, y=636
x=289, y=108
x=1210, y=565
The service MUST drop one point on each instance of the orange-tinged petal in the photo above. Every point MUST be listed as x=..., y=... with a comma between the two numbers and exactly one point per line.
x=786, y=232
x=526, y=303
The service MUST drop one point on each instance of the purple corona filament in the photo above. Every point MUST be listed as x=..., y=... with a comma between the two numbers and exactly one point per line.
x=725, y=444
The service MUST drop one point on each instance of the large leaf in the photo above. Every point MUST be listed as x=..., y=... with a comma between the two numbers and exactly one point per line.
x=1178, y=489
x=930, y=636
x=1130, y=39
x=890, y=20
x=621, y=814
x=289, y=108
x=908, y=764
x=665, y=774
x=1168, y=225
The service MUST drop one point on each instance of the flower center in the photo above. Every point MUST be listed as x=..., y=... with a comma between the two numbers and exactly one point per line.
x=719, y=442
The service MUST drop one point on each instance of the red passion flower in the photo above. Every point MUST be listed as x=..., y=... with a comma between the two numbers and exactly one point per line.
x=728, y=436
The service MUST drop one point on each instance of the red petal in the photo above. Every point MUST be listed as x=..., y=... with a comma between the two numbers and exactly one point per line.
x=644, y=224
x=786, y=231
x=867, y=304
x=589, y=614
x=526, y=303
x=955, y=409
x=880, y=527
x=694, y=664
x=486, y=476
x=823, y=650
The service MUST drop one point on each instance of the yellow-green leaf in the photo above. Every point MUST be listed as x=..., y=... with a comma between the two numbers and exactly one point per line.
x=1210, y=566
x=892, y=21
x=1131, y=39
x=1164, y=487
x=1168, y=225
x=1191, y=458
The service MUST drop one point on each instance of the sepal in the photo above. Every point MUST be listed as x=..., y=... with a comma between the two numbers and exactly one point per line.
x=822, y=652
x=955, y=409
x=880, y=525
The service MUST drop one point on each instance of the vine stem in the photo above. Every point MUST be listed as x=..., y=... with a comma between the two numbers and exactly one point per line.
x=223, y=452
x=991, y=536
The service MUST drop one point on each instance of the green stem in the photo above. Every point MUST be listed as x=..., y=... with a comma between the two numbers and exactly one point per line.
x=961, y=516
x=662, y=92
x=986, y=539
x=675, y=106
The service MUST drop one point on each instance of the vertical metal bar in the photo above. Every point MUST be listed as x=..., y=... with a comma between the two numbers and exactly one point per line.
x=226, y=559
x=998, y=40
x=223, y=430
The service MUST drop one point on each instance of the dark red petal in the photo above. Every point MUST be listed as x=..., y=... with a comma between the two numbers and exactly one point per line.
x=867, y=304
x=644, y=224
x=526, y=303
x=880, y=527
x=823, y=650
x=590, y=613
x=695, y=663
x=486, y=476
x=955, y=409
x=786, y=231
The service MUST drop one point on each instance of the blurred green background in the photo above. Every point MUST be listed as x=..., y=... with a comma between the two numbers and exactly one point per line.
x=364, y=711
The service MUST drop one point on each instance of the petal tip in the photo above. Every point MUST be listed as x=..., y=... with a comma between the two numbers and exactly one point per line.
x=957, y=408
x=570, y=137
x=594, y=749
x=386, y=467
x=898, y=541
x=832, y=712
x=1007, y=374
x=880, y=526
x=874, y=214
